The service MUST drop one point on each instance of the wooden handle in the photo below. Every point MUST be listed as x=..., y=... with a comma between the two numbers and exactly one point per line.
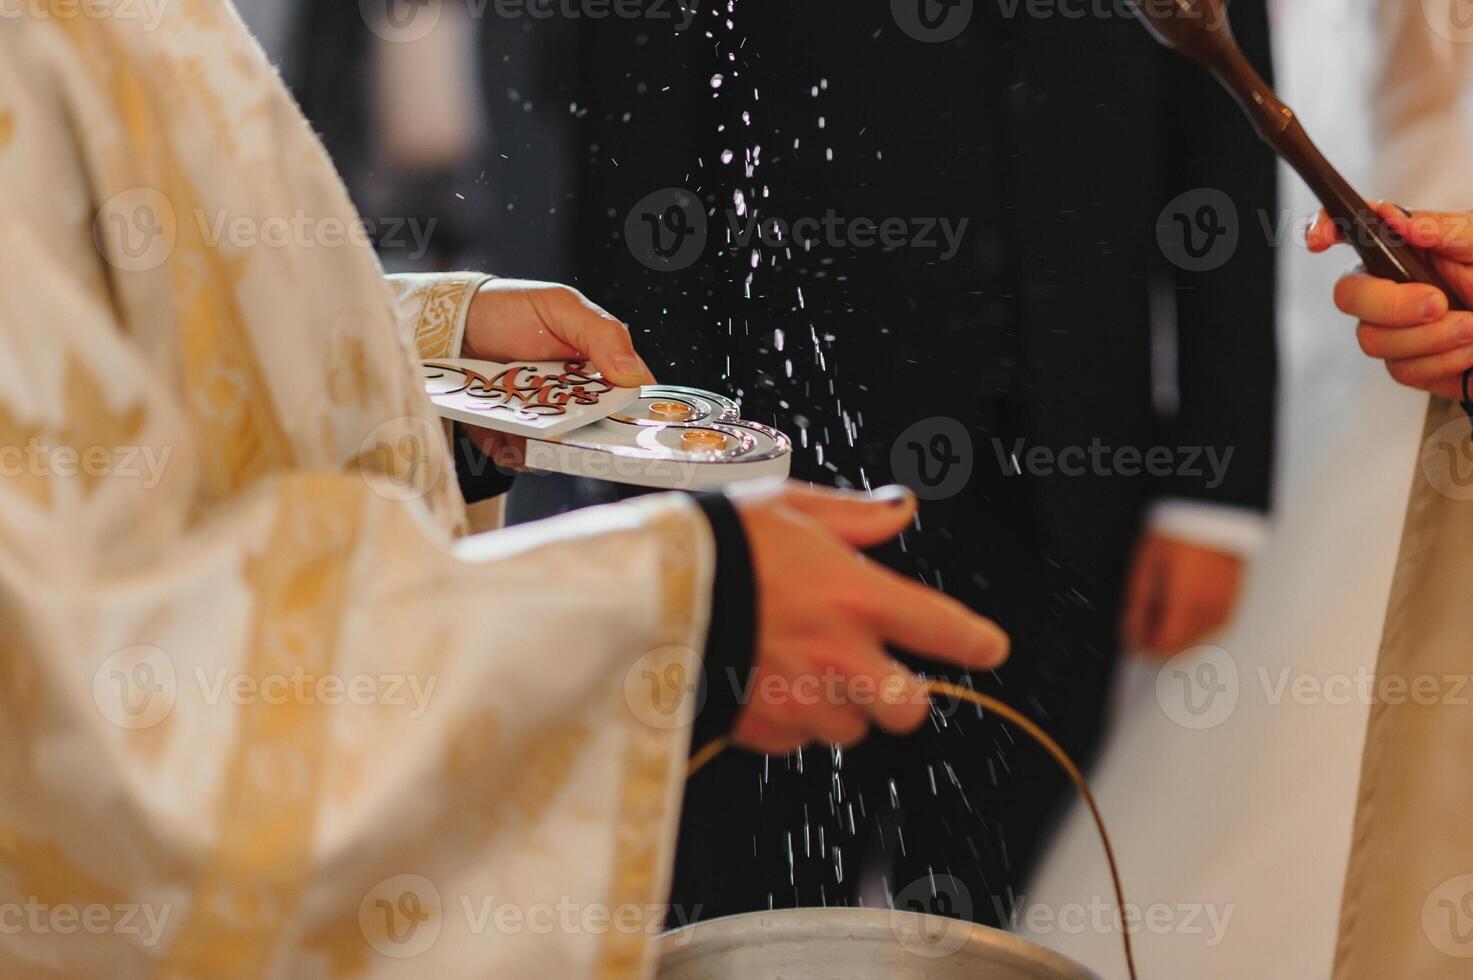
x=1202, y=31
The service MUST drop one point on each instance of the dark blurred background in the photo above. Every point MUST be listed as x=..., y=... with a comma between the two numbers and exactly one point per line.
x=1029, y=297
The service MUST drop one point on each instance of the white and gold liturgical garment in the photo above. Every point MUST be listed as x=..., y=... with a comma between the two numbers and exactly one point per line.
x=263, y=713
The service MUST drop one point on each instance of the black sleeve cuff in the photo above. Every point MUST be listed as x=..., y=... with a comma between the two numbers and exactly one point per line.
x=731, y=640
x=480, y=478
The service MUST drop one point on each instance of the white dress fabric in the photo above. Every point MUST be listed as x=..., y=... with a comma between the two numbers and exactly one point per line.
x=1230, y=779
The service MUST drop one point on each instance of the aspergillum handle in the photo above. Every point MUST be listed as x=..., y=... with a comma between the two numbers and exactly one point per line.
x=1385, y=252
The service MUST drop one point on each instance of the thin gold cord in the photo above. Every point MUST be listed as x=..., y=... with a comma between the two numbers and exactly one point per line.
x=714, y=748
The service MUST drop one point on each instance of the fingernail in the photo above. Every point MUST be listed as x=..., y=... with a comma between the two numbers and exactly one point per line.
x=1403, y=210
x=894, y=495
x=630, y=366
x=1434, y=307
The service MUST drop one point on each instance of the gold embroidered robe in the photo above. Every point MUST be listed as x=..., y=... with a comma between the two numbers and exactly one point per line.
x=263, y=713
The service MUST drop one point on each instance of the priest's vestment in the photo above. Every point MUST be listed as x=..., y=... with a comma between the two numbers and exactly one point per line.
x=265, y=711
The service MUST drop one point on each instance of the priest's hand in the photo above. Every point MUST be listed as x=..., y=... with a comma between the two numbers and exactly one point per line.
x=1178, y=594
x=521, y=320
x=825, y=614
x=1410, y=326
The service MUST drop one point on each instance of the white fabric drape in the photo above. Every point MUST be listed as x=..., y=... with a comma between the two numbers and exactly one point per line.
x=1237, y=832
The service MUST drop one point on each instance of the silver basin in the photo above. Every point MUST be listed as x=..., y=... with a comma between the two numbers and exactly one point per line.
x=854, y=944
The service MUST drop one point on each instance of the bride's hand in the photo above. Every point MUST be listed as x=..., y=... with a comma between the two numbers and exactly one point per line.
x=1410, y=326
x=521, y=320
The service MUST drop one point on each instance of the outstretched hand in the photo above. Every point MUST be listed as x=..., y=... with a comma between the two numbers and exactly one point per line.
x=1411, y=326
x=826, y=613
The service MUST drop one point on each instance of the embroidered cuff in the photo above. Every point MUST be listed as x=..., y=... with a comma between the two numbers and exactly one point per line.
x=435, y=307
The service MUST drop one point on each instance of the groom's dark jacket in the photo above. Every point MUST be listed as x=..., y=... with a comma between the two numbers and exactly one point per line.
x=1081, y=326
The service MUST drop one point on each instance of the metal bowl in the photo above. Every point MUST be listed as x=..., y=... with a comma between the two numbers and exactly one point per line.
x=854, y=944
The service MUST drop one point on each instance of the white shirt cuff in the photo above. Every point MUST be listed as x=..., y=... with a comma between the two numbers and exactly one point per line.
x=1239, y=530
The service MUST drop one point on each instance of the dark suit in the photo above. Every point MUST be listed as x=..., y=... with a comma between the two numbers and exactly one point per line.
x=1060, y=141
